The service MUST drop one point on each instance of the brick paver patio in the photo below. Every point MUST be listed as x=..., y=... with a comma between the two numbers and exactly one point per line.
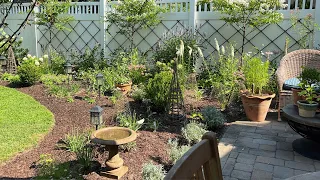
x=262, y=151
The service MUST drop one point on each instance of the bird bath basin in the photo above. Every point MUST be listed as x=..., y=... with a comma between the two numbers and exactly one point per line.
x=112, y=137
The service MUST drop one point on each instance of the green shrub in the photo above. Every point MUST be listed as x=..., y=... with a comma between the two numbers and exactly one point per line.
x=213, y=117
x=46, y=165
x=168, y=50
x=175, y=151
x=193, y=132
x=90, y=59
x=11, y=78
x=138, y=93
x=58, y=60
x=152, y=172
x=30, y=70
x=158, y=88
x=84, y=157
x=130, y=120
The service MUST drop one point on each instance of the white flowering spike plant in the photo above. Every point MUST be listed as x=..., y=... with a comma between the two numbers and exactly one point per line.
x=249, y=13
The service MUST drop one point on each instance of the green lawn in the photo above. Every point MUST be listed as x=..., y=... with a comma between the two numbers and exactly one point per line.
x=23, y=122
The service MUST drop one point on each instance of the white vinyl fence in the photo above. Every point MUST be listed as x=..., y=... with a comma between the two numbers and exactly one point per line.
x=88, y=29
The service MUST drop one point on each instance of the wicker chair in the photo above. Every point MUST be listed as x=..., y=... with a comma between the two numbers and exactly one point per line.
x=290, y=67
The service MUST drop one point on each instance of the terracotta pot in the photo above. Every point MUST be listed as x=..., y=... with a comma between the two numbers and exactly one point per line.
x=125, y=88
x=306, y=109
x=256, y=107
x=295, y=94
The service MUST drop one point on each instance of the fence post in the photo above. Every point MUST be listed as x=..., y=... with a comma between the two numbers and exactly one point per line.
x=316, y=42
x=103, y=25
x=36, y=10
x=192, y=15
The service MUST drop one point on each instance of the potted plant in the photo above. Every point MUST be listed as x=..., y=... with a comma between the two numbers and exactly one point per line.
x=124, y=83
x=256, y=77
x=308, y=76
x=308, y=107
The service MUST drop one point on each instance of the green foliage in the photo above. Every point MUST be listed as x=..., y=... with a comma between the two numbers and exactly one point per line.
x=130, y=120
x=212, y=117
x=46, y=165
x=138, y=93
x=11, y=78
x=15, y=43
x=304, y=28
x=223, y=75
x=198, y=94
x=172, y=40
x=175, y=151
x=193, y=132
x=309, y=76
x=90, y=59
x=152, y=172
x=84, y=157
x=132, y=15
x=20, y=110
x=157, y=90
x=53, y=14
x=58, y=60
x=136, y=73
x=30, y=70
x=246, y=13
x=256, y=74
x=57, y=86
x=75, y=141
x=309, y=93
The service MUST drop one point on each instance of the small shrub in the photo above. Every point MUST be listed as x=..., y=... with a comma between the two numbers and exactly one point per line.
x=75, y=141
x=130, y=120
x=57, y=62
x=153, y=125
x=46, y=165
x=153, y=172
x=84, y=157
x=90, y=59
x=175, y=151
x=30, y=70
x=193, y=132
x=138, y=93
x=212, y=117
x=198, y=94
x=158, y=88
x=11, y=78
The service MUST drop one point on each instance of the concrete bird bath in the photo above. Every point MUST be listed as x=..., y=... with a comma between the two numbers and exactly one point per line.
x=112, y=137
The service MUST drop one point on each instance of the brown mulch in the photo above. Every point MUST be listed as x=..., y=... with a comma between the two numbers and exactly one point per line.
x=151, y=146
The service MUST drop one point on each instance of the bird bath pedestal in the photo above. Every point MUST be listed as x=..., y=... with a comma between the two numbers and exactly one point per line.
x=112, y=137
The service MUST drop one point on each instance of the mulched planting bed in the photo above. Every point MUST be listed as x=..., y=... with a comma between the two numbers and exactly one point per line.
x=151, y=146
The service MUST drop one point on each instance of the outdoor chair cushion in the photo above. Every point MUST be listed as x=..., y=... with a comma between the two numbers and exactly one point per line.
x=291, y=83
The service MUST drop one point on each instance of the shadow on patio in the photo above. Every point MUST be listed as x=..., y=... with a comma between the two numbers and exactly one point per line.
x=262, y=150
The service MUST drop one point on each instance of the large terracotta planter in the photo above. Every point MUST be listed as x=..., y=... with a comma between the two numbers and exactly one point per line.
x=125, y=88
x=295, y=94
x=256, y=107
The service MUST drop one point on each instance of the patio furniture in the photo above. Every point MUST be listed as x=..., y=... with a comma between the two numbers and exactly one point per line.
x=306, y=176
x=309, y=128
x=200, y=162
x=290, y=67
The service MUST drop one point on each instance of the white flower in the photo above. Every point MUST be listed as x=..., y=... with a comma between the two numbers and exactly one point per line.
x=41, y=59
x=223, y=51
x=232, y=51
x=37, y=63
x=46, y=56
x=200, y=52
x=217, y=45
x=34, y=57
x=29, y=56
x=21, y=38
x=25, y=58
x=190, y=50
x=140, y=121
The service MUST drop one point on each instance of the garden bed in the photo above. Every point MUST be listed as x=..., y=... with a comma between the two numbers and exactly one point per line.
x=151, y=146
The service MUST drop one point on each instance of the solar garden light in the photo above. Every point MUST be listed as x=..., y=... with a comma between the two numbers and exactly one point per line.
x=99, y=78
x=68, y=70
x=96, y=116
